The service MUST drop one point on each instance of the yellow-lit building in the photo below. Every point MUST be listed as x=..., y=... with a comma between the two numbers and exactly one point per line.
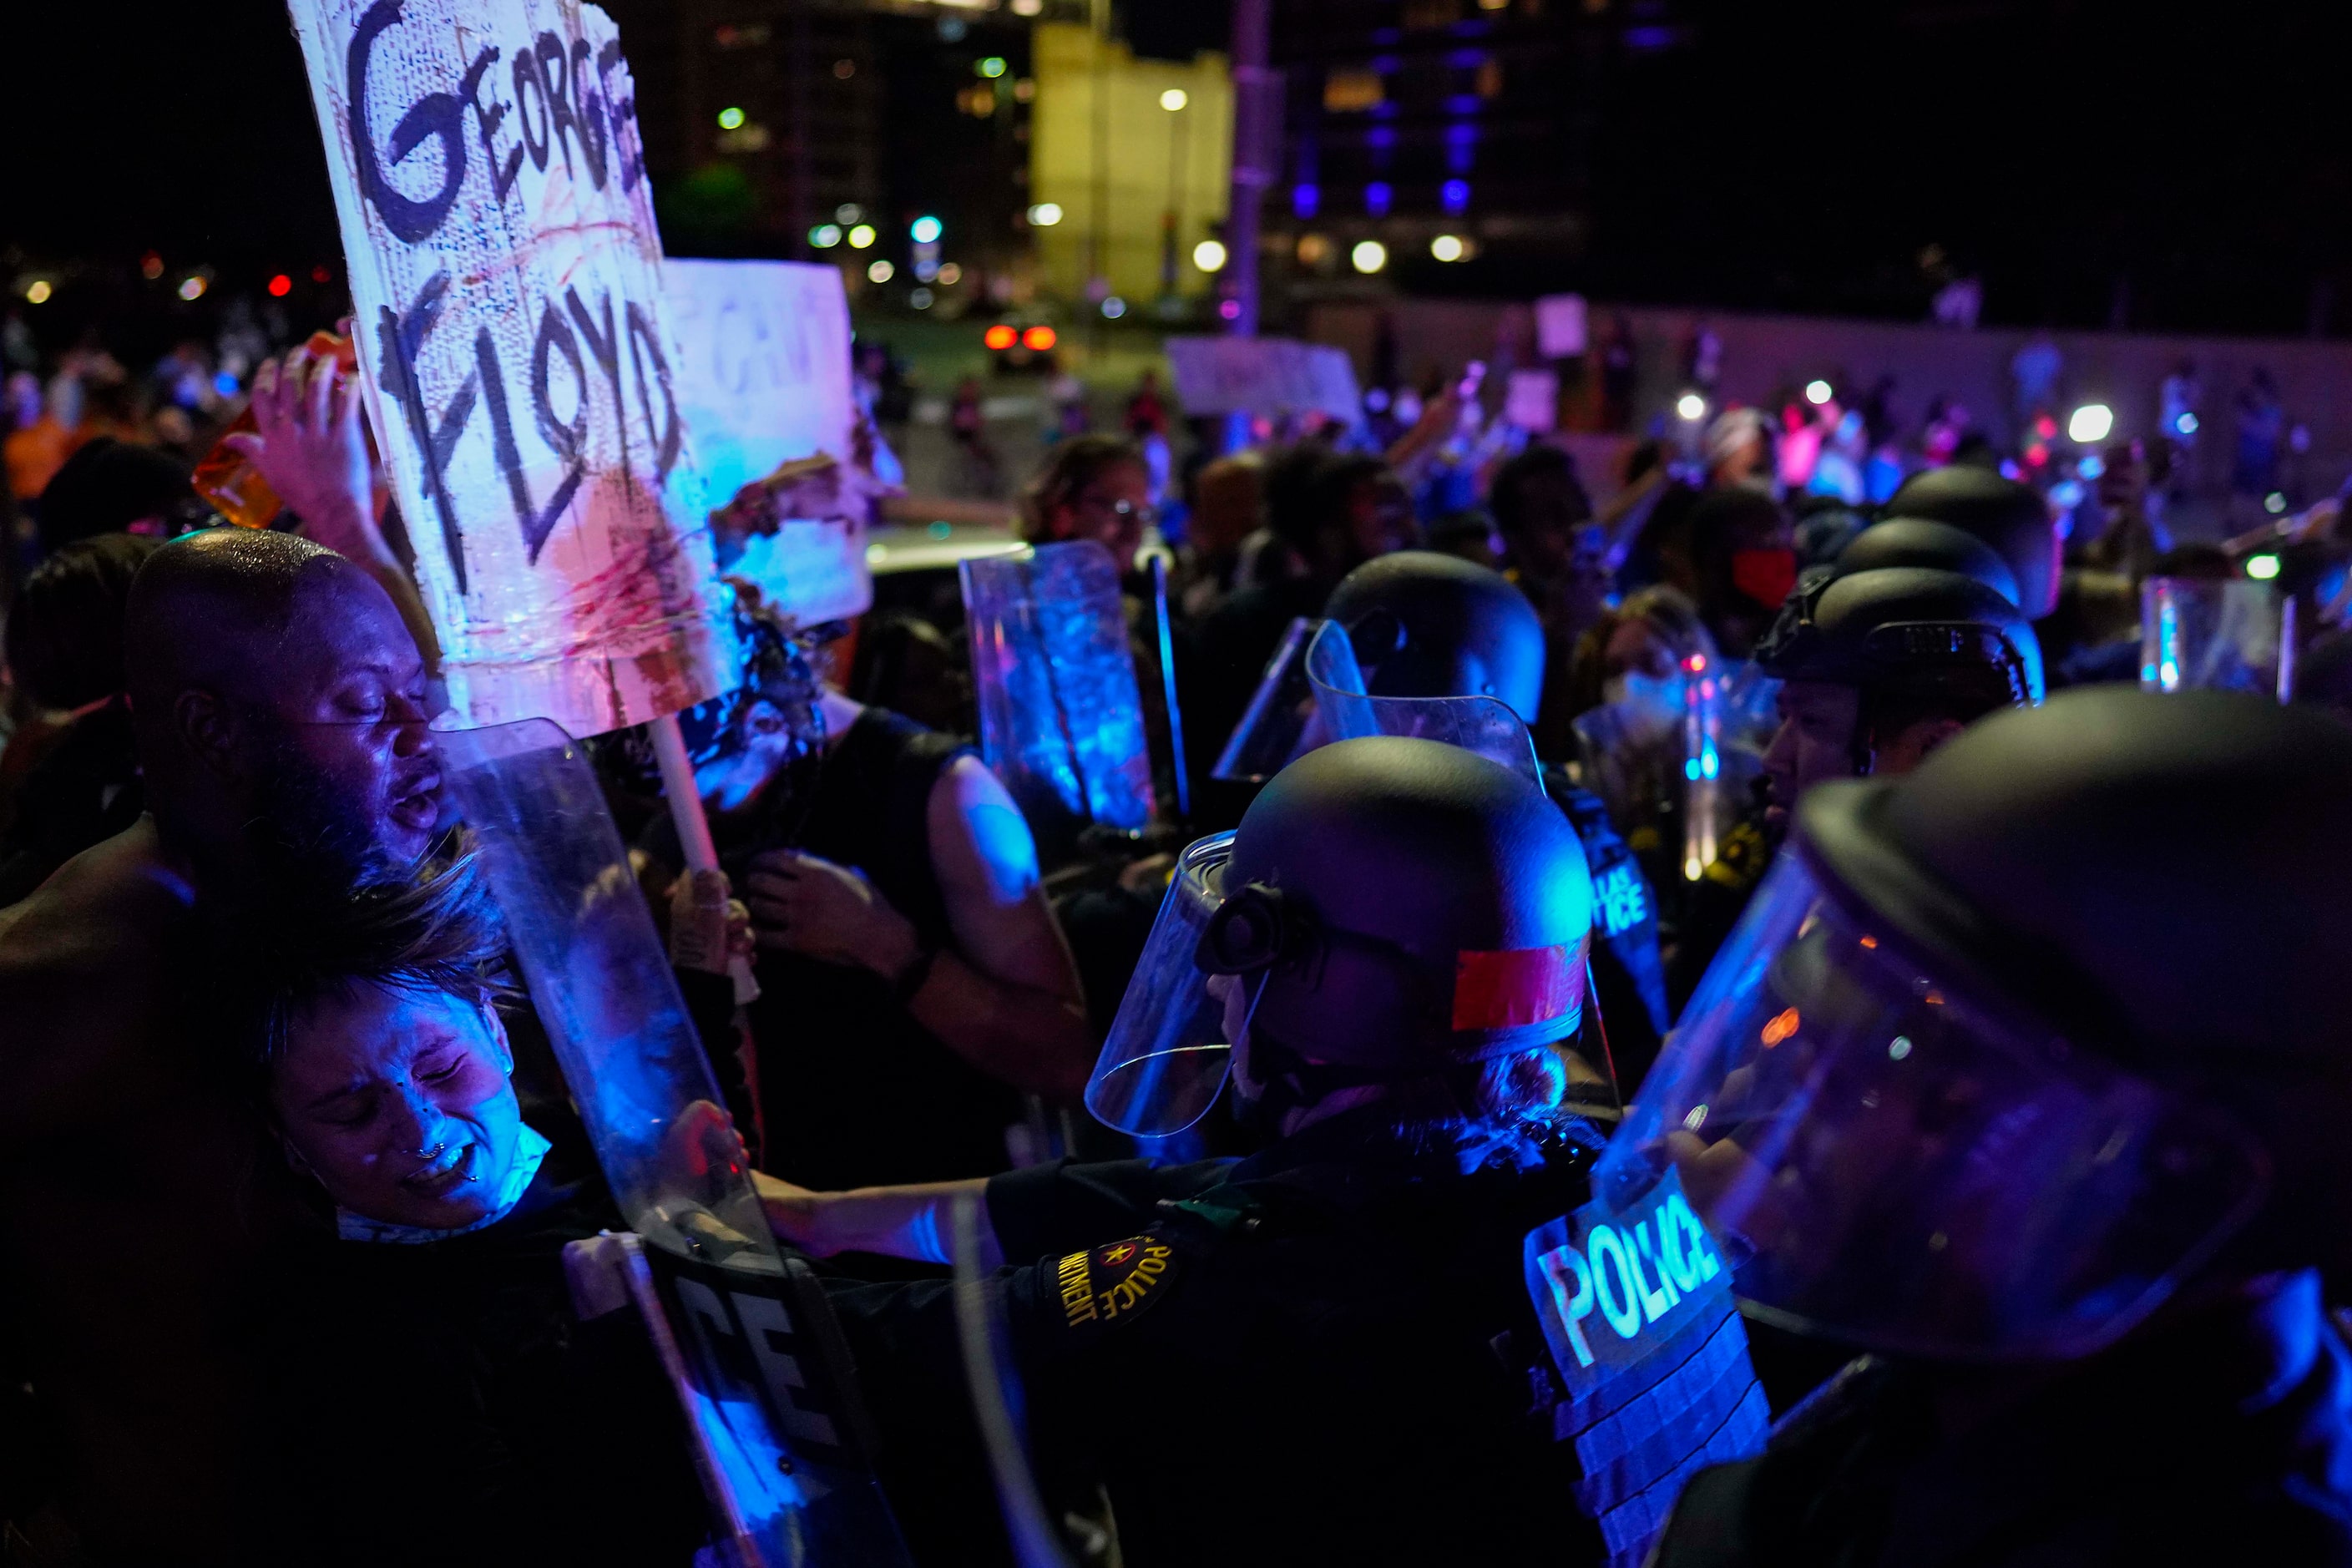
x=1112, y=151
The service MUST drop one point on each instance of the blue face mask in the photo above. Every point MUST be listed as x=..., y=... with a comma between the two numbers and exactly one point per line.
x=530, y=1151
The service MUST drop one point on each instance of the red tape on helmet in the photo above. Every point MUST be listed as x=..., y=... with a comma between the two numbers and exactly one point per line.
x=1517, y=986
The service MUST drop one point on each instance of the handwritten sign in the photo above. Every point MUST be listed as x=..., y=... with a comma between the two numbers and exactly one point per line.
x=498, y=231
x=1268, y=376
x=1636, y=1308
x=763, y=378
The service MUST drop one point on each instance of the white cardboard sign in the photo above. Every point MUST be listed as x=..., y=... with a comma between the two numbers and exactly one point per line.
x=1560, y=326
x=498, y=233
x=1266, y=376
x=763, y=378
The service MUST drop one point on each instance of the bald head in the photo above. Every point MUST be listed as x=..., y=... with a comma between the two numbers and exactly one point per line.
x=214, y=608
x=271, y=678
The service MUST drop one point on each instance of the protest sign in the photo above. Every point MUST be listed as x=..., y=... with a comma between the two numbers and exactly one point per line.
x=1531, y=401
x=762, y=379
x=1560, y=326
x=1266, y=376
x=507, y=273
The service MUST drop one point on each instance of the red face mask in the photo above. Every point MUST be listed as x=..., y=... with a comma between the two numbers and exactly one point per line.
x=1764, y=575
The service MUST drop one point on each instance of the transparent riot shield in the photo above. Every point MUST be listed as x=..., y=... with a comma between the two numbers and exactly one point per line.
x=1345, y=712
x=2230, y=635
x=748, y=1339
x=1279, y=723
x=1703, y=803
x=1061, y=718
x=994, y=1384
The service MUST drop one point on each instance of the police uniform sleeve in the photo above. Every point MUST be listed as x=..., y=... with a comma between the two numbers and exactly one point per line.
x=1061, y=1207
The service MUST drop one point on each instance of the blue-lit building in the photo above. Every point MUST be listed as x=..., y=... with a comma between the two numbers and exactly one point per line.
x=1458, y=133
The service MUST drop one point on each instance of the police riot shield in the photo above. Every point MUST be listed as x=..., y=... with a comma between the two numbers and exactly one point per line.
x=750, y=1348
x=1279, y=723
x=1345, y=712
x=1061, y=717
x=2231, y=635
x=1702, y=782
x=995, y=1382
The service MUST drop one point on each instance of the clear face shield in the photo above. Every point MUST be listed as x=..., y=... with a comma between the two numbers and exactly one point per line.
x=1344, y=712
x=1889, y=1164
x=1314, y=692
x=2233, y=635
x=1170, y=1050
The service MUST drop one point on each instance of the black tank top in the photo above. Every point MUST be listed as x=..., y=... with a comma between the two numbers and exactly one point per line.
x=852, y=1090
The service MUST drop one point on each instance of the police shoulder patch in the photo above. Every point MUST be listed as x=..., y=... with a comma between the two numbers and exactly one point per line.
x=1115, y=1281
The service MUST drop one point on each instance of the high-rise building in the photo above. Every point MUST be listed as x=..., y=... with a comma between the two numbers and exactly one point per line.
x=1443, y=129
x=887, y=136
x=1130, y=165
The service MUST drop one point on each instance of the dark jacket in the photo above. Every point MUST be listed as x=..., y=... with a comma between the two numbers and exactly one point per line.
x=441, y=1404
x=2224, y=1440
x=1323, y=1354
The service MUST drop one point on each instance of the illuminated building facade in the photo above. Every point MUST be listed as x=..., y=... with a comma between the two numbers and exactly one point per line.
x=830, y=130
x=1443, y=130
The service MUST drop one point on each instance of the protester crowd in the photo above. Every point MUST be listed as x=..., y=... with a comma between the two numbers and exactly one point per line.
x=290, y=1178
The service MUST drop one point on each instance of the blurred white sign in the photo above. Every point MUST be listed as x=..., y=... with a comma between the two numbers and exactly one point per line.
x=1560, y=325
x=1532, y=401
x=1266, y=376
x=763, y=378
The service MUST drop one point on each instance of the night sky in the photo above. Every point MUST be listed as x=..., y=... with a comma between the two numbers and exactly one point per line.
x=2190, y=167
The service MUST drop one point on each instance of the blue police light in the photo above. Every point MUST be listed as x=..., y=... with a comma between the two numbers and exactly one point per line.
x=923, y=230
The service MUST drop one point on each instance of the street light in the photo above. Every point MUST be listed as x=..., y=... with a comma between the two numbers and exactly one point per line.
x=1209, y=255
x=1368, y=255
x=2090, y=424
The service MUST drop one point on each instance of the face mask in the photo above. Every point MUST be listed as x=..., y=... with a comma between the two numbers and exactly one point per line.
x=530, y=1151
x=1645, y=697
x=1764, y=575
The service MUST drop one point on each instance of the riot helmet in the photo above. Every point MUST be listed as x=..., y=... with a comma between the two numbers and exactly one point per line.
x=2010, y=516
x=1917, y=541
x=1426, y=625
x=1904, y=626
x=2005, y=1052
x=1392, y=911
x=1915, y=646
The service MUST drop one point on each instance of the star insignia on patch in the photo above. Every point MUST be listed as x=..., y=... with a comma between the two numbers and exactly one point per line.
x=1114, y=1282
